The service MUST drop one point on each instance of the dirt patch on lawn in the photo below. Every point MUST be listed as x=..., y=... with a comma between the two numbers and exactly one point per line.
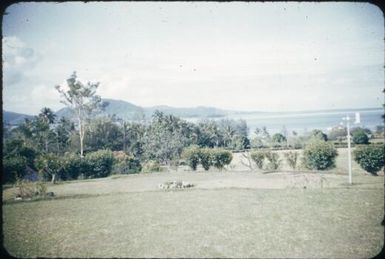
x=208, y=180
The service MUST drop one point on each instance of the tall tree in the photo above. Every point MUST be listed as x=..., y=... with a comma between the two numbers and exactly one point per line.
x=82, y=100
x=103, y=133
x=63, y=131
x=43, y=122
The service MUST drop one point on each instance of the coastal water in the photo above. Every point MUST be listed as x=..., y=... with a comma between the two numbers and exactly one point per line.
x=307, y=121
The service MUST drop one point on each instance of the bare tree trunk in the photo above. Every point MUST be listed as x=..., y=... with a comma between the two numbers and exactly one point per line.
x=124, y=138
x=249, y=164
x=81, y=135
x=53, y=180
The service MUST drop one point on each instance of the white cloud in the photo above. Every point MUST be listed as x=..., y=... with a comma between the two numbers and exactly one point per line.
x=18, y=60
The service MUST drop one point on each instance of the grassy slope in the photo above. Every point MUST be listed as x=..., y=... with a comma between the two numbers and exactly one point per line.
x=341, y=222
x=127, y=216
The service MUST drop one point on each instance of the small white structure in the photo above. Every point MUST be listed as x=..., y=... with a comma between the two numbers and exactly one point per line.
x=347, y=119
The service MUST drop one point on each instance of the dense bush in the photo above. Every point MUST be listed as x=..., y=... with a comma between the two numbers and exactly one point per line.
x=205, y=158
x=49, y=166
x=125, y=164
x=337, y=133
x=320, y=155
x=220, y=158
x=360, y=137
x=240, y=142
x=278, y=139
x=258, y=157
x=291, y=158
x=151, y=166
x=274, y=161
x=13, y=168
x=99, y=163
x=73, y=166
x=28, y=190
x=192, y=156
x=371, y=158
x=318, y=134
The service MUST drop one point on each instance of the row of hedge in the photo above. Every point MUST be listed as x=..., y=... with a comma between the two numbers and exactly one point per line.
x=96, y=164
x=207, y=157
x=320, y=155
x=370, y=157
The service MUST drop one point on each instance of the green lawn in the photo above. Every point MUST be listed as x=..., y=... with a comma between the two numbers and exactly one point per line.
x=124, y=217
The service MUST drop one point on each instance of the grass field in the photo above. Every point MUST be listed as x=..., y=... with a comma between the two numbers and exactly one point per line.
x=228, y=214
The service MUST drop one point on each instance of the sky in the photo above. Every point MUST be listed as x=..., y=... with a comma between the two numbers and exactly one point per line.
x=230, y=55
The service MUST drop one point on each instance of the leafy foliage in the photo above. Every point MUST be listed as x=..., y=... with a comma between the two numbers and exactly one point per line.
x=192, y=156
x=318, y=134
x=73, y=166
x=125, y=164
x=371, y=158
x=99, y=163
x=165, y=138
x=49, y=165
x=291, y=158
x=103, y=134
x=337, y=133
x=273, y=159
x=278, y=139
x=151, y=166
x=360, y=137
x=82, y=100
x=220, y=158
x=320, y=155
x=258, y=157
x=13, y=168
x=205, y=158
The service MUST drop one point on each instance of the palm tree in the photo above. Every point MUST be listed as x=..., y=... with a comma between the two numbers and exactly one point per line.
x=48, y=115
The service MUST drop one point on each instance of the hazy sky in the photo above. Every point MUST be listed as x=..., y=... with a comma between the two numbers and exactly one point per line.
x=243, y=56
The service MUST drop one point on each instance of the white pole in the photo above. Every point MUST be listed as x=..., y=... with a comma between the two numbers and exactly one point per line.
x=349, y=153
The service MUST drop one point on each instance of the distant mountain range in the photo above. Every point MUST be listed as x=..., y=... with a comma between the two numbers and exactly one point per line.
x=14, y=118
x=129, y=111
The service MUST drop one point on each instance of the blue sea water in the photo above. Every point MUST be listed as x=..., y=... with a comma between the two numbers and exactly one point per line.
x=307, y=121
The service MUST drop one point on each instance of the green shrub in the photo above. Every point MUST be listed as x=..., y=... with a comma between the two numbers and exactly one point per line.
x=240, y=142
x=220, y=158
x=40, y=189
x=13, y=168
x=274, y=161
x=49, y=166
x=360, y=137
x=192, y=156
x=337, y=133
x=73, y=166
x=205, y=158
x=320, y=155
x=125, y=164
x=278, y=139
x=291, y=158
x=371, y=158
x=27, y=189
x=99, y=163
x=151, y=166
x=258, y=157
x=24, y=189
x=318, y=134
